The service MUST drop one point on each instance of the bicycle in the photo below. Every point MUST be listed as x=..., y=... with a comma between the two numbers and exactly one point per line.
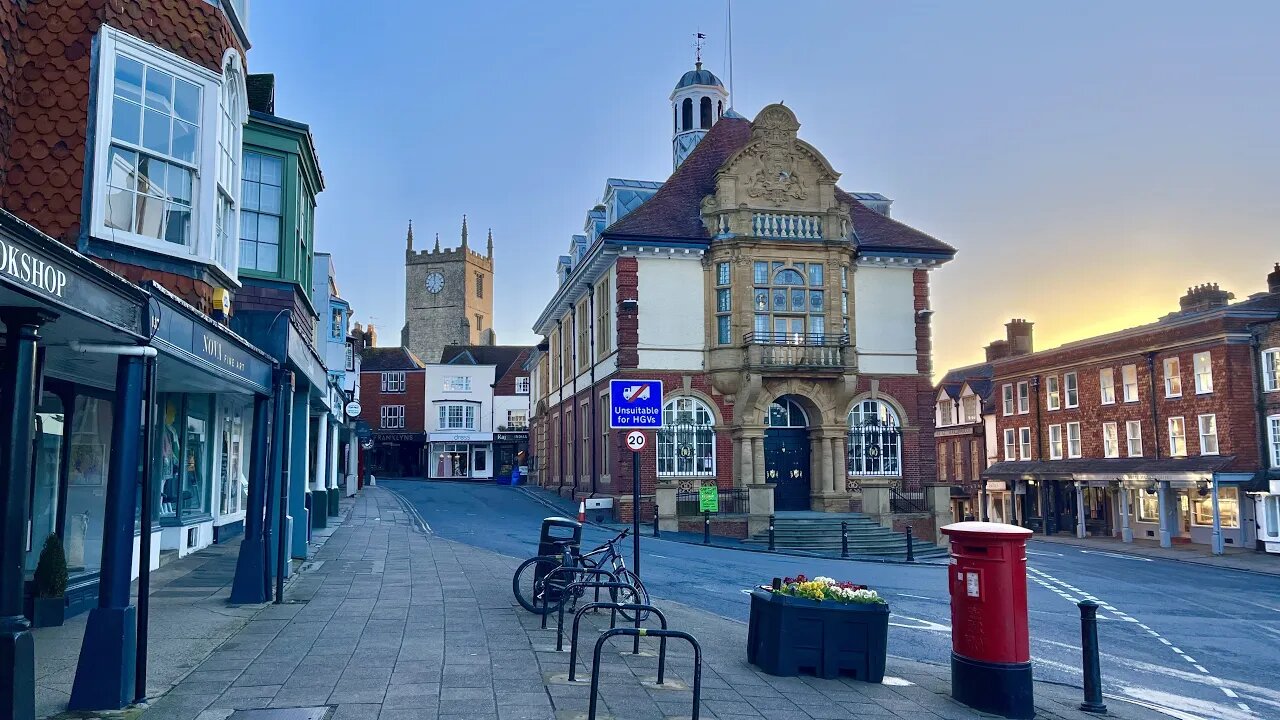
x=541, y=592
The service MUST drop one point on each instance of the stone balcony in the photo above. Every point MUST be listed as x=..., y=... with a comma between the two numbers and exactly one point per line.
x=774, y=352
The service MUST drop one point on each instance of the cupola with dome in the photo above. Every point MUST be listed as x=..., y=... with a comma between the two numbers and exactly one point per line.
x=697, y=102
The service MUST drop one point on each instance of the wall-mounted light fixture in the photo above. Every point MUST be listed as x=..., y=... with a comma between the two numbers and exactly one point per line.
x=629, y=305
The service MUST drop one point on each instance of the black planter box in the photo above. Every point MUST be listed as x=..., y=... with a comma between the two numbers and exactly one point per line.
x=790, y=636
x=48, y=612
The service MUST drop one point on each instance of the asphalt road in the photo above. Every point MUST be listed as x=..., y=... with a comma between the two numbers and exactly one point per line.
x=1198, y=639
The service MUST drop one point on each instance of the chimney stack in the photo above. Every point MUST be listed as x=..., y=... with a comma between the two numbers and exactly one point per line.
x=1018, y=333
x=1273, y=280
x=1204, y=297
x=997, y=350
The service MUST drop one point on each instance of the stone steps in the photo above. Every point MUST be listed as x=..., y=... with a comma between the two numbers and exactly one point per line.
x=866, y=537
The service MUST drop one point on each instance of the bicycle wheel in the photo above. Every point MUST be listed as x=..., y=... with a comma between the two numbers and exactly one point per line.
x=636, y=595
x=533, y=591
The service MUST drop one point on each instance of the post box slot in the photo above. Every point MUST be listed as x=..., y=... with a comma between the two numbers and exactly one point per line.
x=976, y=549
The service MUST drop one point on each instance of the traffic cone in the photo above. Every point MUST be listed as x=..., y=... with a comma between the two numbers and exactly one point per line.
x=582, y=511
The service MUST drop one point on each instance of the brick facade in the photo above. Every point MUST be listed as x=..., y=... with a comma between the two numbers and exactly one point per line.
x=45, y=83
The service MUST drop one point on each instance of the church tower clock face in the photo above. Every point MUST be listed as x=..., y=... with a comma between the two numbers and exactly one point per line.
x=435, y=282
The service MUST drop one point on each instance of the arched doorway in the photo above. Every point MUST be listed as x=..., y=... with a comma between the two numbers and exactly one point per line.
x=786, y=454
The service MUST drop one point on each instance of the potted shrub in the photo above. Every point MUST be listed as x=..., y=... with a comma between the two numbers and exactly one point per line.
x=818, y=626
x=50, y=602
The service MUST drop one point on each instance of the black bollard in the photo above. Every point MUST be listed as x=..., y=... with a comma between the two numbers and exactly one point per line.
x=771, y=547
x=911, y=553
x=656, y=532
x=844, y=538
x=706, y=528
x=1091, y=666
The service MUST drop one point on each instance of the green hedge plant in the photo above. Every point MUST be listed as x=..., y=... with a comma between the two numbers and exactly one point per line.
x=51, y=570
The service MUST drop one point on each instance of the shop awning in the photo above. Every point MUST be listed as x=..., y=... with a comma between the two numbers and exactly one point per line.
x=215, y=358
x=91, y=304
x=1132, y=472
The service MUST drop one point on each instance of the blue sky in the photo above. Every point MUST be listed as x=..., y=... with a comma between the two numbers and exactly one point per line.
x=1089, y=160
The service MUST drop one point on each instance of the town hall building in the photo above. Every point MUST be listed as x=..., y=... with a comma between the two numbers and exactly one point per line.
x=787, y=318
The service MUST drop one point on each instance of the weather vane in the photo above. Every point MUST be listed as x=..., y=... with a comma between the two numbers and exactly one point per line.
x=699, y=39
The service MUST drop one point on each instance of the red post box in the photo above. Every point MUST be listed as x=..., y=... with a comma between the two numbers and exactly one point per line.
x=990, y=644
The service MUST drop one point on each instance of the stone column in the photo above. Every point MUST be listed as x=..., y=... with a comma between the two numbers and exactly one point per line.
x=319, y=483
x=105, y=673
x=1162, y=493
x=665, y=496
x=760, y=507
x=842, y=463
x=875, y=500
x=757, y=462
x=300, y=474
x=1216, y=542
x=1080, y=531
x=746, y=463
x=334, y=494
x=1126, y=530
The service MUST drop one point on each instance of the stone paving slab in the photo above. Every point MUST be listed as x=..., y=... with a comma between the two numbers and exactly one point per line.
x=390, y=622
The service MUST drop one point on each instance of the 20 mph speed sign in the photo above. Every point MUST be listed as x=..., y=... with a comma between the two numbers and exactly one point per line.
x=635, y=440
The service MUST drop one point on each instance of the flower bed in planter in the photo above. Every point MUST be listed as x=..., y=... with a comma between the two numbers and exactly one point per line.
x=818, y=627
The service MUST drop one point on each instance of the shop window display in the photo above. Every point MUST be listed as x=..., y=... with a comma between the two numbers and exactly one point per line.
x=451, y=460
x=183, y=455
x=47, y=471
x=89, y=454
x=233, y=482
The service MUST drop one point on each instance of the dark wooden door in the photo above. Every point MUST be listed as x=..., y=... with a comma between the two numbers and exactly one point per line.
x=786, y=462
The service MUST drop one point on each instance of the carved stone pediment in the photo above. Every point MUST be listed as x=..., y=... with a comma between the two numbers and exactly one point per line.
x=775, y=172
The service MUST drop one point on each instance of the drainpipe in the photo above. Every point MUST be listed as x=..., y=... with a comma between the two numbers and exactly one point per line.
x=1042, y=486
x=1264, y=458
x=1155, y=410
x=595, y=422
x=573, y=371
x=129, y=350
x=560, y=379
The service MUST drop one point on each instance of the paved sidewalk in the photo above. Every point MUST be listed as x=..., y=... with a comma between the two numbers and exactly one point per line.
x=390, y=623
x=1233, y=558
x=190, y=618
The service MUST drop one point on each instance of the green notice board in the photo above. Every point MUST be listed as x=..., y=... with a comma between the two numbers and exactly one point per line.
x=708, y=499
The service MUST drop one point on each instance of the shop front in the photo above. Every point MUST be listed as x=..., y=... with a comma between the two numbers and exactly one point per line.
x=1000, y=502
x=206, y=381
x=397, y=454
x=72, y=348
x=460, y=455
x=510, y=454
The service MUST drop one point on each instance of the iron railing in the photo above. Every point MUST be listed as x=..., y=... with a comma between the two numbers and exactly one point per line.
x=734, y=501
x=797, y=339
x=908, y=502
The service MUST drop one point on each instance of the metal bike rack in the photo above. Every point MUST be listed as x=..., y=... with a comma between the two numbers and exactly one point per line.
x=614, y=613
x=577, y=617
x=569, y=570
x=645, y=632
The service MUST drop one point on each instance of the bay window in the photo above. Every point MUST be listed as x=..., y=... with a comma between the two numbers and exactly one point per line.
x=262, y=216
x=166, y=151
x=788, y=301
x=456, y=416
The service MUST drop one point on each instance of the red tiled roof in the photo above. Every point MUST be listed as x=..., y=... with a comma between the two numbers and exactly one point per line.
x=674, y=212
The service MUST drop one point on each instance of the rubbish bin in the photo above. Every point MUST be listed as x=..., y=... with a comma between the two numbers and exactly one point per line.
x=558, y=534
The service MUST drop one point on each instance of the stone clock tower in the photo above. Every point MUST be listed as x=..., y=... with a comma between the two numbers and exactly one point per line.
x=448, y=297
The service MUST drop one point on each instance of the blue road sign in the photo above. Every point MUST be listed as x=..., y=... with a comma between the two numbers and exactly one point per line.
x=635, y=404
